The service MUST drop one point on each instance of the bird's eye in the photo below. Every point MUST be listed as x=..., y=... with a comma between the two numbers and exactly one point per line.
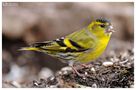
x=102, y=25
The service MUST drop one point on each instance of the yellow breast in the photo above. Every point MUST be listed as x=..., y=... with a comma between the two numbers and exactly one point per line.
x=94, y=53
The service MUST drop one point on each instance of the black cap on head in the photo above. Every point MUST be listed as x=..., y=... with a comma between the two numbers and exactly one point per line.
x=103, y=20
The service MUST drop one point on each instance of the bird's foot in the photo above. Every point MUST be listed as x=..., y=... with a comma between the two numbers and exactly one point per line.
x=76, y=72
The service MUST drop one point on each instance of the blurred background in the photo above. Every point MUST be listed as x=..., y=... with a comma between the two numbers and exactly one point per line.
x=26, y=23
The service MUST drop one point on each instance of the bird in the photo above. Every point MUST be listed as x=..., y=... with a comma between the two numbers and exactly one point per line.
x=82, y=46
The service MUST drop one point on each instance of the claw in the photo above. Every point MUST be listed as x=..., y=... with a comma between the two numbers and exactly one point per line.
x=79, y=74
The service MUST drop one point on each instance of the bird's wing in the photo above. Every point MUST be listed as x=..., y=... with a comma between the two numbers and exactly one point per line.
x=76, y=42
x=84, y=38
x=60, y=45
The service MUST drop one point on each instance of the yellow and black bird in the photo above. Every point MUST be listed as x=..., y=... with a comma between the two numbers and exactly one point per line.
x=84, y=45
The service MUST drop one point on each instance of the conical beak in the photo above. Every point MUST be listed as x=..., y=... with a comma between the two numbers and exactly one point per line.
x=110, y=29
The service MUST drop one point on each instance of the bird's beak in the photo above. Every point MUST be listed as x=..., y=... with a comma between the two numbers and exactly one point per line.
x=110, y=29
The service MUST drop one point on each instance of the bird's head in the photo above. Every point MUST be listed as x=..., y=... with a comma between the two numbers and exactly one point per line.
x=101, y=26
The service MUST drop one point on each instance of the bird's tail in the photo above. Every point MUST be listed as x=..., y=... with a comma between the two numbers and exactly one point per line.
x=29, y=49
x=35, y=47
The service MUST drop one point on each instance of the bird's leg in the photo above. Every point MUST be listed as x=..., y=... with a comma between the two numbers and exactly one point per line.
x=75, y=70
x=86, y=65
x=71, y=64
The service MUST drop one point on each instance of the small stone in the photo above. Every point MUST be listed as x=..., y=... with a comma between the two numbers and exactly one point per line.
x=84, y=78
x=123, y=62
x=53, y=86
x=65, y=72
x=106, y=64
x=45, y=73
x=94, y=85
x=16, y=84
x=66, y=69
x=124, y=55
x=60, y=72
x=114, y=59
x=92, y=69
x=35, y=83
x=131, y=86
x=52, y=78
x=86, y=73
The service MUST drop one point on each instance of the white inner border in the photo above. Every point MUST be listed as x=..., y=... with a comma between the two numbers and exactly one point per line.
x=62, y=1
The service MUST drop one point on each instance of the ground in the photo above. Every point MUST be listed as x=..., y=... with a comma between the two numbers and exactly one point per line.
x=113, y=72
x=109, y=72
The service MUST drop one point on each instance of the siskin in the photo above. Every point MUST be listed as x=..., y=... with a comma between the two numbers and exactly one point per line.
x=84, y=45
